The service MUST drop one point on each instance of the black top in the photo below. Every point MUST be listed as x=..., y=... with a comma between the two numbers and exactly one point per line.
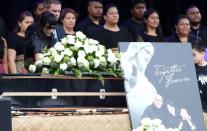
x=17, y=43
x=88, y=27
x=3, y=33
x=150, y=38
x=110, y=38
x=200, y=34
x=3, y=29
x=175, y=38
x=38, y=43
x=201, y=72
x=135, y=28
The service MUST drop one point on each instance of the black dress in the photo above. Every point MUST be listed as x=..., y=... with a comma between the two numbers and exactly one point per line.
x=88, y=27
x=175, y=38
x=110, y=39
x=150, y=38
x=17, y=43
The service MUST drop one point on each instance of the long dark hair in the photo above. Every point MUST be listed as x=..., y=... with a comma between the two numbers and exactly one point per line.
x=159, y=32
x=46, y=18
x=20, y=19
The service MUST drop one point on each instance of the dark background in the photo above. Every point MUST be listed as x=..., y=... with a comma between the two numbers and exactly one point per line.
x=168, y=9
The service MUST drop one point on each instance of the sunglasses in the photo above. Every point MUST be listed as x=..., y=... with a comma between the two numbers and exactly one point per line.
x=49, y=27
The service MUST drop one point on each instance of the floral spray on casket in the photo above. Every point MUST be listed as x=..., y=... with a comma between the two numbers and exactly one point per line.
x=77, y=54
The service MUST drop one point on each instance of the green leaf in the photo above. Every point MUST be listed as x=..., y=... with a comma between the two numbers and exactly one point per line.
x=77, y=73
x=57, y=72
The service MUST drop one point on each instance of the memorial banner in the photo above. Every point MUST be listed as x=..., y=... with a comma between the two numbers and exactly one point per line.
x=161, y=86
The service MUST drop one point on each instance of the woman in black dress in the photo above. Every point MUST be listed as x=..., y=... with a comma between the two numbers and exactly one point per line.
x=43, y=38
x=110, y=34
x=152, y=31
x=16, y=43
x=182, y=27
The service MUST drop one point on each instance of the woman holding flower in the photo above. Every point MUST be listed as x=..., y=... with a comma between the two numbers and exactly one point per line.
x=43, y=38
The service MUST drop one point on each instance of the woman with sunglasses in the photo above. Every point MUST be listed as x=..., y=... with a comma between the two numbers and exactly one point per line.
x=43, y=38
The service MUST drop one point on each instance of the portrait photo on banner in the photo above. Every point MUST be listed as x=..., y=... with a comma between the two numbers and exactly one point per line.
x=161, y=86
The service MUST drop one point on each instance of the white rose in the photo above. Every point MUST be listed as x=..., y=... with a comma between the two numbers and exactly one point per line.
x=45, y=71
x=99, y=53
x=87, y=48
x=85, y=63
x=32, y=68
x=64, y=41
x=46, y=60
x=68, y=52
x=58, y=46
x=78, y=44
x=101, y=48
x=109, y=51
x=80, y=35
x=53, y=51
x=58, y=58
x=112, y=58
x=97, y=63
x=71, y=39
x=81, y=53
x=86, y=41
x=39, y=63
x=63, y=66
x=94, y=48
x=73, y=61
x=93, y=42
x=102, y=59
x=82, y=61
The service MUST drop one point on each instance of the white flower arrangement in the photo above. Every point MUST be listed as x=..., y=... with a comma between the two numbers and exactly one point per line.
x=77, y=55
x=148, y=124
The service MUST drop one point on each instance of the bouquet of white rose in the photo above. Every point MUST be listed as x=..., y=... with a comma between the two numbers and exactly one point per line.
x=148, y=124
x=77, y=54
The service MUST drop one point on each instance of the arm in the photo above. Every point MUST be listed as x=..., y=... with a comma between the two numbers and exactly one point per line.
x=11, y=61
x=5, y=64
x=37, y=56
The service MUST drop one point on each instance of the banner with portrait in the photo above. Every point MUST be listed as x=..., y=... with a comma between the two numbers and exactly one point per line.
x=161, y=85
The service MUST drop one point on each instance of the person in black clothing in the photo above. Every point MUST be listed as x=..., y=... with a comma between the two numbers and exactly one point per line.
x=90, y=24
x=3, y=47
x=197, y=30
x=135, y=24
x=16, y=43
x=43, y=38
x=38, y=8
x=201, y=71
x=110, y=34
x=155, y=110
x=152, y=30
x=68, y=17
x=182, y=27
